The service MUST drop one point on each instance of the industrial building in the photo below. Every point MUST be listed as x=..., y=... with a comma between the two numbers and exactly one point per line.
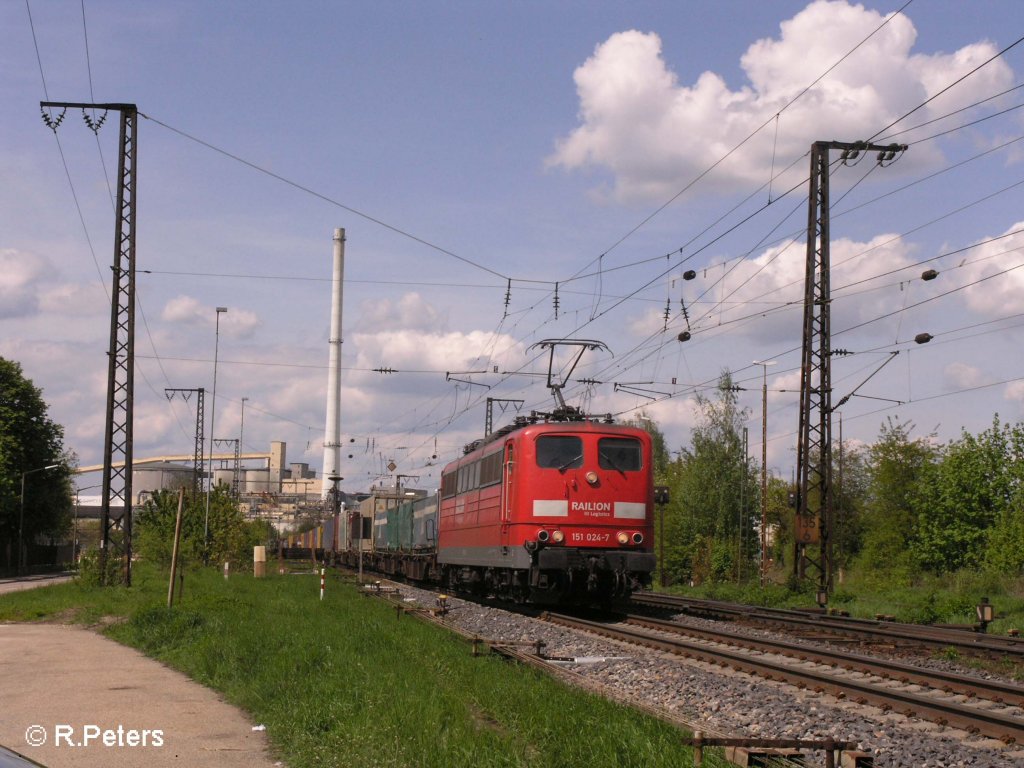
x=276, y=491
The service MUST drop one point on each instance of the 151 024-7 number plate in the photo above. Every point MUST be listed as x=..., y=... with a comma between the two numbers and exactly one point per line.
x=581, y=537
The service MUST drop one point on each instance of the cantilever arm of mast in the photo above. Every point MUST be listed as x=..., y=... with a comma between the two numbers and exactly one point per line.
x=892, y=356
x=86, y=105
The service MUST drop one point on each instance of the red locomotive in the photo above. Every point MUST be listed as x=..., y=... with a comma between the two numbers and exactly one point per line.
x=550, y=511
x=555, y=508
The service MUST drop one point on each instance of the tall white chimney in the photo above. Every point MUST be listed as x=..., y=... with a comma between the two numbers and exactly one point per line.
x=332, y=432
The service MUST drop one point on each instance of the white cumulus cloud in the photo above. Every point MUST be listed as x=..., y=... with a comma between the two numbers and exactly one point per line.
x=236, y=322
x=410, y=311
x=21, y=276
x=762, y=297
x=962, y=375
x=1015, y=392
x=654, y=134
x=994, y=273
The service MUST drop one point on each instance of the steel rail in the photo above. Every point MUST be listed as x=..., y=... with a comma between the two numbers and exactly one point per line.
x=935, y=637
x=518, y=652
x=996, y=690
x=972, y=719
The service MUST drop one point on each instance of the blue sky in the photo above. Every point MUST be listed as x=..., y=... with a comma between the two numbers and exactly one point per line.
x=529, y=139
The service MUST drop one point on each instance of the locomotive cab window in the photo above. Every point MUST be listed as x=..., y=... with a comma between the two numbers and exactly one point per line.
x=619, y=453
x=559, y=452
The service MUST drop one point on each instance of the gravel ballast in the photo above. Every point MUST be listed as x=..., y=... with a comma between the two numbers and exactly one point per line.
x=721, y=700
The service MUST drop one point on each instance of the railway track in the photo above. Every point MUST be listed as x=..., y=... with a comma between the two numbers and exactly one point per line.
x=529, y=653
x=969, y=709
x=971, y=686
x=985, y=716
x=819, y=625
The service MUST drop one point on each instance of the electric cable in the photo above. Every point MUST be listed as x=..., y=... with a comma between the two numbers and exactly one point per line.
x=324, y=198
x=956, y=82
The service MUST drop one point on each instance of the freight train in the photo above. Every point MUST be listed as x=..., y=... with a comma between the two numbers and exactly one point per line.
x=553, y=509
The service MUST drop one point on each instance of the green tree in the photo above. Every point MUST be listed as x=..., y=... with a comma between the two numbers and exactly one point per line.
x=900, y=466
x=30, y=440
x=659, y=447
x=231, y=536
x=780, y=520
x=710, y=532
x=1004, y=552
x=965, y=494
x=851, y=484
x=662, y=464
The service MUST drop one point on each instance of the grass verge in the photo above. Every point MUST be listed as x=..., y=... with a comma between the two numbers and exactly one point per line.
x=344, y=682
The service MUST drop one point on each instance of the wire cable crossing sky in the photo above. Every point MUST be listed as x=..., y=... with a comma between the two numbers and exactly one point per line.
x=636, y=175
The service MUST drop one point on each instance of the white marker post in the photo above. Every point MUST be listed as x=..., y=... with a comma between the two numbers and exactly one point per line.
x=321, y=583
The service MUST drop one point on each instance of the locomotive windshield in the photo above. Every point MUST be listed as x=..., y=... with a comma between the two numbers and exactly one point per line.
x=559, y=452
x=619, y=453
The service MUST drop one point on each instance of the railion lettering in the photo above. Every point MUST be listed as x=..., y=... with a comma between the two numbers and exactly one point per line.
x=591, y=506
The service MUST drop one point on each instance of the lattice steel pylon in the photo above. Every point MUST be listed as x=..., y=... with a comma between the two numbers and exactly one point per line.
x=198, y=460
x=117, y=451
x=502, y=402
x=236, y=469
x=814, y=441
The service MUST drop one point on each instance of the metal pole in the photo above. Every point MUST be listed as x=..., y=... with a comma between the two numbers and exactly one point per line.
x=764, y=476
x=238, y=470
x=743, y=509
x=241, y=427
x=839, y=495
x=764, y=468
x=661, y=545
x=21, y=517
x=213, y=408
x=21, y=527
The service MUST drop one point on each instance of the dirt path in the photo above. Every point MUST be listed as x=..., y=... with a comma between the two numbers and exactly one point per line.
x=93, y=702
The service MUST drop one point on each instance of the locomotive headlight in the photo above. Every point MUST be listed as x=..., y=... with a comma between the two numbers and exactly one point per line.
x=622, y=538
x=638, y=538
x=591, y=477
x=557, y=536
x=543, y=536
